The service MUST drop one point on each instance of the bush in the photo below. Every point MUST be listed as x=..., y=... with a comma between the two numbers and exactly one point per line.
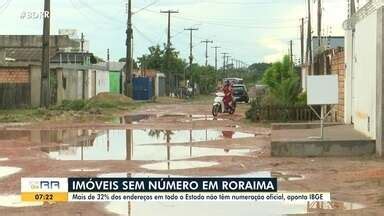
x=76, y=105
x=102, y=100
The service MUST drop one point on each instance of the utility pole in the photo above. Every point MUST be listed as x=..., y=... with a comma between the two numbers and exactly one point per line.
x=206, y=50
x=216, y=48
x=226, y=61
x=169, y=12
x=128, y=59
x=309, y=40
x=45, y=94
x=291, y=53
x=168, y=83
x=82, y=43
x=352, y=8
x=302, y=40
x=190, y=50
x=224, y=64
x=108, y=60
x=319, y=17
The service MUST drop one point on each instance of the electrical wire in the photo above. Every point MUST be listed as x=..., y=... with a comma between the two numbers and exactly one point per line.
x=98, y=12
x=145, y=7
x=241, y=26
x=144, y=35
x=5, y=6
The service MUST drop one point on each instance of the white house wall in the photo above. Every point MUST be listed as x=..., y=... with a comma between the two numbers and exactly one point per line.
x=102, y=81
x=361, y=75
x=348, y=77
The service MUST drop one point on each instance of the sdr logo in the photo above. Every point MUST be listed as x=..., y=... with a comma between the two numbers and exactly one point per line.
x=45, y=185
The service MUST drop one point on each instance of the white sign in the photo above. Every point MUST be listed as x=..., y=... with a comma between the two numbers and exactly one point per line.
x=322, y=90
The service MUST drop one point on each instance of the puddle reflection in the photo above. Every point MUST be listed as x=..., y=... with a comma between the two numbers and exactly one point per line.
x=136, y=144
x=178, y=165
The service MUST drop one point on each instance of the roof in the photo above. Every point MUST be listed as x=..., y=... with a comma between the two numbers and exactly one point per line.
x=26, y=54
x=73, y=58
x=113, y=66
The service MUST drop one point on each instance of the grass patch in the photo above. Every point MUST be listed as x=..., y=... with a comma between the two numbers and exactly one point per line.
x=103, y=105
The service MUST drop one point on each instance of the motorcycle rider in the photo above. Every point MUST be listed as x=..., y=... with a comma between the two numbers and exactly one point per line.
x=228, y=94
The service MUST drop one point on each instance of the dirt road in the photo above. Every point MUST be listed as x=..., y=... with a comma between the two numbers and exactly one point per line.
x=177, y=139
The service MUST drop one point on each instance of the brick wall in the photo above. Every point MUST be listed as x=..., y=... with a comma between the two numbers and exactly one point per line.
x=338, y=67
x=16, y=75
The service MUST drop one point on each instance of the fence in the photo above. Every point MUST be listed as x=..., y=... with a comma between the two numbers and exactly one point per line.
x=14, y=95
x=281, y=113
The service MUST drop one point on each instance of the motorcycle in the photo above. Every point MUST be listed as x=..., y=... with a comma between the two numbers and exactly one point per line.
x=219, y=107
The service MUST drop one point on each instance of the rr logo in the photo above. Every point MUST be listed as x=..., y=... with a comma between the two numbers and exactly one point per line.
x=49, y=185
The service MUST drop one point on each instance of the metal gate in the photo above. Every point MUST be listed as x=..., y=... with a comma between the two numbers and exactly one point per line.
x=142, y=88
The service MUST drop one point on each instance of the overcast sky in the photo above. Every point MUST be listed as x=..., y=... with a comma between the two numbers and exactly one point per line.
x=250, y=30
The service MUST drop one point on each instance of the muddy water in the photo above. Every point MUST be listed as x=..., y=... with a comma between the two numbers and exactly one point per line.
x=178, y=165
x=138, y=144
x=223, y=209
x=14, y=201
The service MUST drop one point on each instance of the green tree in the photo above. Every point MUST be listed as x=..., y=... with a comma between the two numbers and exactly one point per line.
x=205, y=77
x=165, y=61
x=283, y=83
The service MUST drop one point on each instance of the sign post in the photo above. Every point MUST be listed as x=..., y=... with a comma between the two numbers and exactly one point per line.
x=322, y=91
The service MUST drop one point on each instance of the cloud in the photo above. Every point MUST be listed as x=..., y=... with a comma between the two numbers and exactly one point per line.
x=278, y=47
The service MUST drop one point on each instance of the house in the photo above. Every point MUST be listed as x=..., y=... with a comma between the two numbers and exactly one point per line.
x=327, y=42
x=115, y=71
x=115, y=76
x=320, y=57
x=74, y=75
x=20, y=67
x=364, y=51
x=158, y=79
x=79, y=76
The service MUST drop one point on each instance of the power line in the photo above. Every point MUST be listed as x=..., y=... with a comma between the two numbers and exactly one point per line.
x=216, y=48
x=98, y=12
x=190, y=51
x=145, y=7
x=169, y=12
x=144, y=35
x=229, y=25
x=5, y=6
x=206, y=50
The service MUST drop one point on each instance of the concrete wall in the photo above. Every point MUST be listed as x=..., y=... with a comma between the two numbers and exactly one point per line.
x=102, y=81
x=69, y=84
x=361, y=76
x=35, y=85
x=380, y=84
x=98, y=82
x=19, y=41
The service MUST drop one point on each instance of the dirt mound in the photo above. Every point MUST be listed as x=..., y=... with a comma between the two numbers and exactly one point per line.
x=113, y=98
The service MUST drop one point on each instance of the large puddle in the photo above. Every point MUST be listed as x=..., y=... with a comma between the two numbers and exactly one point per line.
x=226, y=208
x=14, y=201
x=178, y=165
x=137, y=144
x=138, y=118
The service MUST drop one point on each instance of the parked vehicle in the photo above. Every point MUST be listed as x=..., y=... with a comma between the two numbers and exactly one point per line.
x=240, y=93
x=219, y=107
x=234, y=80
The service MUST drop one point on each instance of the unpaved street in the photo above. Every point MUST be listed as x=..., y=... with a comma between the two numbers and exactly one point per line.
x=178, y=140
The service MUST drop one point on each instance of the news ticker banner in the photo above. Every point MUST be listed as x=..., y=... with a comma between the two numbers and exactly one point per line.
x=160, y=189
